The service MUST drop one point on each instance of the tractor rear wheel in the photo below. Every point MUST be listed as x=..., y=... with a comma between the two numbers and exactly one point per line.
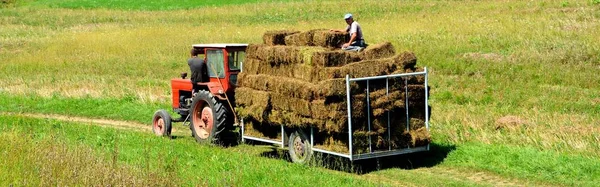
x=299, y=147
x=208, y=118
x=161, y=123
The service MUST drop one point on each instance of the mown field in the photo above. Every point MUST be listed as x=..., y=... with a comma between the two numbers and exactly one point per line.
x=533, y=63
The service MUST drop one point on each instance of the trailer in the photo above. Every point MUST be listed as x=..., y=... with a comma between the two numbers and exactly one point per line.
x=303, y=152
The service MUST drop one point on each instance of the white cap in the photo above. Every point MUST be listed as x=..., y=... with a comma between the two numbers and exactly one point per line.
x=348, y=16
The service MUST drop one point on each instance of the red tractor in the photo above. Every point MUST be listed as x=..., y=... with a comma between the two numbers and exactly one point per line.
x=209, y=108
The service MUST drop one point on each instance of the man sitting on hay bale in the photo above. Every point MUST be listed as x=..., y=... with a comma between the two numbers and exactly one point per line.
x=356, y=42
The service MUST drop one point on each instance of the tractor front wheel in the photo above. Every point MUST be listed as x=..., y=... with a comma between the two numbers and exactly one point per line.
x=161, y=123
x=208, y=118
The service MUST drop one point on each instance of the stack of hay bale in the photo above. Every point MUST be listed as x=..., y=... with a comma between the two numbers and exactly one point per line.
x=298, y=79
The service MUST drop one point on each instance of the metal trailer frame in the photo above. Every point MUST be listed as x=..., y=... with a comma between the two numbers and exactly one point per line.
x=371, y=154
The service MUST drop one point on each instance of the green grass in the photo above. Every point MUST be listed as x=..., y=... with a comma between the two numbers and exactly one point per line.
x=134, y=5
x=137, y=156
x=536, y=60
x=126, y=109
x=184, y=161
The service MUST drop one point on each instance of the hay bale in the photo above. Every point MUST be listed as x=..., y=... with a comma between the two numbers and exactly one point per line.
x=405, y=60
x=254, y=112
x=292, y=119
x=281, y=55
x=419, y=137
x=326, y=38
x=252, y=103
x=289, y=104
x=276, y=37
x=252, y=50
x=335, y=58
x=295, y=88
x=383, y=50
x=299, y=71
x=263, y=130
x=317, y=37
x=247, y=97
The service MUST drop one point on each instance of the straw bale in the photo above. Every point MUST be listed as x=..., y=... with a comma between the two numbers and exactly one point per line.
x=285, y=103
x=321, y=109
x=363, y=68
x=366, y=68
x=317, y=37
x=334, y=87
x=335, y=58
x=326, y=38
x=276, y=37
x=247, y=97
x=299, y=71
x=405, y=60
x=420, y=137
x=292, y=119
x=298, y=39
x=255, y=112
x=263, y=130
x=252, y=66
x=295, y=88
x=383, y=50
x=252, y=50
x=278, y=55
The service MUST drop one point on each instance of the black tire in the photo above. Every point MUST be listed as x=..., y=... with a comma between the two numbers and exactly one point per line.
x=299, y=147
x=207, y=128
x=161, y=123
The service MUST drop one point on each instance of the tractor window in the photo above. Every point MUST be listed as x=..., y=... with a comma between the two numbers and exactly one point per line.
x=235, y=59
x=215, y=62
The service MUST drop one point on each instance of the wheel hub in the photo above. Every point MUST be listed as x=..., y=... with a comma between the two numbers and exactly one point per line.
x=299, y=147
x=203, y=121
x=159, y=125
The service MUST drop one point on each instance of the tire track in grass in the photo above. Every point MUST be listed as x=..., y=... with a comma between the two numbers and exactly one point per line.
x=125, y=125
x=443, y=175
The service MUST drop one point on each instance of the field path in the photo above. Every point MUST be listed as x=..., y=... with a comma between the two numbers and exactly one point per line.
x=126, y=125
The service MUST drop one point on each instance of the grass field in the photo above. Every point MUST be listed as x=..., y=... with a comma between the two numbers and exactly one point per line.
x=533, y=61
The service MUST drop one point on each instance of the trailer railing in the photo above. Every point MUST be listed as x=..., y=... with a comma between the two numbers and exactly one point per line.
x=371, y=154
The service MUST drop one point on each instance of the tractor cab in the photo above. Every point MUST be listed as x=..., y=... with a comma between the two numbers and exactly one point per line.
x=207, y=108
x=224, y=62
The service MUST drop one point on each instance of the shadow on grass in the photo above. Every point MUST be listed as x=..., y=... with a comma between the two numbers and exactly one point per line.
x=436, y=155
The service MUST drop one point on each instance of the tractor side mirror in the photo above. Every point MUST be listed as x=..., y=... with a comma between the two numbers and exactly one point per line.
x=183, y=75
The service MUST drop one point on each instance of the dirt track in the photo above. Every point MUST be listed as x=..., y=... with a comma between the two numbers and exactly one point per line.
x=127, y=125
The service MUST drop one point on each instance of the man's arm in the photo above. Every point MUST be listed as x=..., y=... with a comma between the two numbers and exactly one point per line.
x=352, y=38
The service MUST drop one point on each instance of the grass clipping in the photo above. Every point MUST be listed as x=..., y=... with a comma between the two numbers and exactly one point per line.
x=297, y=79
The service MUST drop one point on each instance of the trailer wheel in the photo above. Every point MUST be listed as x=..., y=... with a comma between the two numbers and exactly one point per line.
x=161, y=123
x=299, y=147
x=208, y=118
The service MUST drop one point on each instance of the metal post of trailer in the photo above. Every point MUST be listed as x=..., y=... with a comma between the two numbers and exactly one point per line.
x=349, y=115
x=406, y=103
x=242, y=121
x=282, y=137
x=426, y=103
x=369, y=117
x=387, y=94
x=311, y=137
